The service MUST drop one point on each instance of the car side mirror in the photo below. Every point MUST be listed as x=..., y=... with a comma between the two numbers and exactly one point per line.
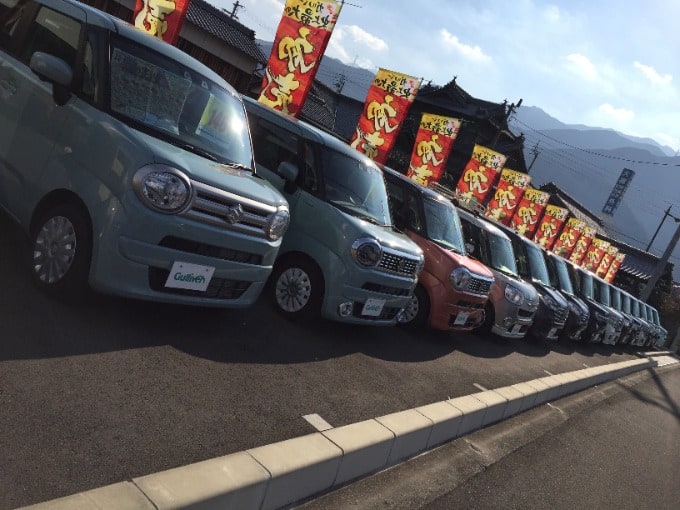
x=54, y=70
x=289, y=171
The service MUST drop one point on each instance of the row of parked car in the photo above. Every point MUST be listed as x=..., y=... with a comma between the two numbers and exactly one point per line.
x=137, y=171
x=502, y=282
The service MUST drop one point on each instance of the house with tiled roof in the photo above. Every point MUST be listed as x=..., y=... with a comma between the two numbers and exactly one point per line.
x=211, y=36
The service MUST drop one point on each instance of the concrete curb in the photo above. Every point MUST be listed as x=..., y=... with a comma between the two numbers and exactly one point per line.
x=281, y=474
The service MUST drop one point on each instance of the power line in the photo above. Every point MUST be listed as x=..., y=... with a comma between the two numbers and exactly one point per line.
x=607, y=156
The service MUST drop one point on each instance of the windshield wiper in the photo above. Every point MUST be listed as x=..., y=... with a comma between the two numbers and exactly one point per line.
x=196, y=150
x=370, y=219
x=238, y=166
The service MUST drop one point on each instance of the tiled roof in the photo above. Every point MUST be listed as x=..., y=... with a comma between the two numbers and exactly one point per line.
x=221, y=25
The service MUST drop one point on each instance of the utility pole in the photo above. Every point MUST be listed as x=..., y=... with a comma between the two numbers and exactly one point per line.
x=535, y=152
x=232, y=14
x=510, y=111
x=665, y=214
x=661, y=265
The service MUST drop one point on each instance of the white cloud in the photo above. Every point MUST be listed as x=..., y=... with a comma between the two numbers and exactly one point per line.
x=652, y=74
x=359, y=36
x=581, y=65
x=618, y=114
x=470, y=52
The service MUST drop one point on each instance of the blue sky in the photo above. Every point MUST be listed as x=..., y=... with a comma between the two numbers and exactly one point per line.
x=603, y=63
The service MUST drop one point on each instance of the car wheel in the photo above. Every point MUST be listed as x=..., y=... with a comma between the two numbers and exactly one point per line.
x=61, y=248
x=418, y=309
x=298, y=288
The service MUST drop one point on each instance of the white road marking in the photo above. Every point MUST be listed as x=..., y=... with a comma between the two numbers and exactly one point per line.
x=317, y=422
x=479, y=387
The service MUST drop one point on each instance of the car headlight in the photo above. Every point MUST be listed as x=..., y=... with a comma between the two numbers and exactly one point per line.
x=460, y=278
x=514, y=295
x=278, y=224
x=366, y=252
x=162, y=188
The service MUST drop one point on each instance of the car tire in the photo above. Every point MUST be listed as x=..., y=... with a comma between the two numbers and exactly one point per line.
x=297, y=288
x=417, y=311
x=61, y=249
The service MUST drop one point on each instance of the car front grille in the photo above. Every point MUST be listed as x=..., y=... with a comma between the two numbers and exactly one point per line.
x=384, y=289
x=397, y=263
x=208, y=250
x=561, y=315
x=229, y=211
x=388, y=313
x=479, y=285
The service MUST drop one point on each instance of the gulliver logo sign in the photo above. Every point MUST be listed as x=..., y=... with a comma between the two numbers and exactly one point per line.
x=184, y=275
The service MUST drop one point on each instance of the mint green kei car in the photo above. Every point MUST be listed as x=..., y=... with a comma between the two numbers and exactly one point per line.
x=341, y=258
x=128, y=163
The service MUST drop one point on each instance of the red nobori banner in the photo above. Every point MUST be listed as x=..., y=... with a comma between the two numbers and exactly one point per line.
x=529, y=209
x=509, y=191
x=566, y=241
x=550, y=225
x=614, y=268
x=582, y=245
x=432, y=147
x=161, y=18
x=595, y=254
x=387, y=103
x=607, y=259
x=301, y=40
x=480, y=173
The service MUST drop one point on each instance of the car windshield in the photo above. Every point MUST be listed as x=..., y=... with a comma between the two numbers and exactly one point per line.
x=587, y=287
x=563, y=276
x=169, y=101
x=501, y=255
x=603, y=293
x=443, y=225
x=356, y=186
x=625, y=303
x=635, y=307
x=539, y=272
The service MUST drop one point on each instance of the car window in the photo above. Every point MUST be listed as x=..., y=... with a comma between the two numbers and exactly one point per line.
x=272, y=144
x=54, y=33
x=11, y=13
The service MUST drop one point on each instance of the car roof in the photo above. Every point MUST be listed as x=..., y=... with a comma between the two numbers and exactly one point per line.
x=106, y=21
x=304, y=129
x=410, y=182
x=481, y=222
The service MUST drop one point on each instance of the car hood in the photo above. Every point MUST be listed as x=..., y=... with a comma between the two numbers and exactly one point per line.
x=529, y=291
x=578, y=303
x=387, y=236
x=556, y=295
x=441, y=256
x=209, y=172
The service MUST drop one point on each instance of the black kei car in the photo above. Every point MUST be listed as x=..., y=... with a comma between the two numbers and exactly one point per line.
x=553, y=309
x=579, y=314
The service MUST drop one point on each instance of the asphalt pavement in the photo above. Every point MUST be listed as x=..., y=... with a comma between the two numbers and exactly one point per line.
x=615, y=446
x=112, y=389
